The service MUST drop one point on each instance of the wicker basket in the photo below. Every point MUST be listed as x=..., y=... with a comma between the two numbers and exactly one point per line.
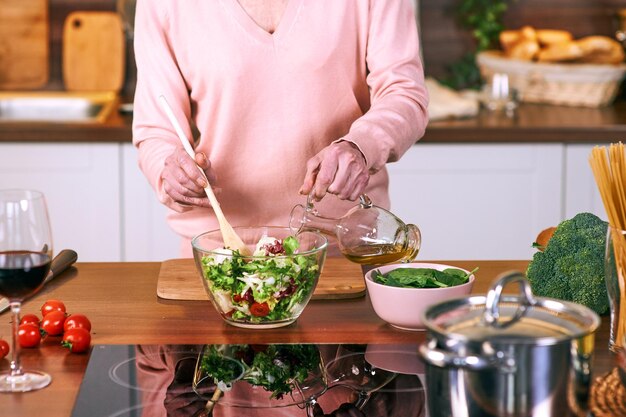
x=588, y=85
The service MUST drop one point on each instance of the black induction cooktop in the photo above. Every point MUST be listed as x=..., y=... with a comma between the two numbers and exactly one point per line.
x=252, y=380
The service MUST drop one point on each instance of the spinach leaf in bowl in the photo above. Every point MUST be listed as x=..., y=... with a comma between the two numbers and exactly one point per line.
x=422, y=277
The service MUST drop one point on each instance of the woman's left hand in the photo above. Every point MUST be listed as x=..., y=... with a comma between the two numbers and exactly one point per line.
x=339, y=169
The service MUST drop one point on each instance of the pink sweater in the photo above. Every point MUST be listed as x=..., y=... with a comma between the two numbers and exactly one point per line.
x=266, y=103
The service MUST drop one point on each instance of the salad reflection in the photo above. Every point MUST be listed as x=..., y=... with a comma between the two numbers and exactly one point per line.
x=278, y=369
x=276, y=380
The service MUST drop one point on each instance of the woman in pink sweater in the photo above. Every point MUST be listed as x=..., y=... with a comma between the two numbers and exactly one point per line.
x=288, y=97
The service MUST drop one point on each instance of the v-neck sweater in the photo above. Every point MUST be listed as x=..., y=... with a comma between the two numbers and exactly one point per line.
x=264, y=104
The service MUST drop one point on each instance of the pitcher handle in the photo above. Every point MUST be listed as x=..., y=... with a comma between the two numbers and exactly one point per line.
x=365, y=201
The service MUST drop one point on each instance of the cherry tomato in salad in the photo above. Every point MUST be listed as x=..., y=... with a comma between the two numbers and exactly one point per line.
x=4, y=348
x=53, y=322
x=52, y=305
x=29, y=318
x=77, y=340
x=28, y=335
x=259, y=309
x=77, y=320
x=247, y=296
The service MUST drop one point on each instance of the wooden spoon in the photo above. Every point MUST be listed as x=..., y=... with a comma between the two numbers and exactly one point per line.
x=230, y=237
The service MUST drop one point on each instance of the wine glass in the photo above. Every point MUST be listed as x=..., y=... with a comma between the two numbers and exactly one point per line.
x=25, y=254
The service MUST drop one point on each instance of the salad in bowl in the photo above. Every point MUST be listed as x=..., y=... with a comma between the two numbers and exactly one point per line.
x=271, y=287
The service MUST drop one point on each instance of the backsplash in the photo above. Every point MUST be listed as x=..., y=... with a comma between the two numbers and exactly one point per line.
x=443, y=40
x=58, y=11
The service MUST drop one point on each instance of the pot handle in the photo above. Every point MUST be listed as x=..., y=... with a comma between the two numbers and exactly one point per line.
x=491, y=316
x=443, y=359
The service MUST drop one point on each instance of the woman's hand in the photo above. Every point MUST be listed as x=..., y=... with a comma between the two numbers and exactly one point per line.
x=180, y=398
x=339, y=169
x=183, y=181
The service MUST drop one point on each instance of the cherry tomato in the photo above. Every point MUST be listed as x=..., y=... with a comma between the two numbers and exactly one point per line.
x=28, y=335
x=29, y=318
x=259, y=309
x=53, y=322
x=77, y=340
x=52, y=305
x=4, y=348
x=77, y=320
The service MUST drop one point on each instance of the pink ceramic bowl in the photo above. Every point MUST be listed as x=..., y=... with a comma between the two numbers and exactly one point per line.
x=403, y=307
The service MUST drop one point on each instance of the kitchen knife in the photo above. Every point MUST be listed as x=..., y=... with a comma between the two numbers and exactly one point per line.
x=59, y=264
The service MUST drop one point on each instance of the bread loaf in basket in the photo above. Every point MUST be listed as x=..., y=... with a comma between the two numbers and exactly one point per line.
x=570, y=84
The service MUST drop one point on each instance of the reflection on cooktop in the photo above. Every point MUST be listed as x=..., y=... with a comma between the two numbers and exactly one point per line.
x=270, y=380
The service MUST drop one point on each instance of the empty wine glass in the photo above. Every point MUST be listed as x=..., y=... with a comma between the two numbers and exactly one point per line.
x=25, y=254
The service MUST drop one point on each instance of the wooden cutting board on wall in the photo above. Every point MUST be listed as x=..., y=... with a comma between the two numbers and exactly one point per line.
x=93, y=51
x=24, y=44
x=340, y=279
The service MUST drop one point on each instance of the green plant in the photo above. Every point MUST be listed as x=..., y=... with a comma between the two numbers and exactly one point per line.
x=484, y=20
x=571, y=266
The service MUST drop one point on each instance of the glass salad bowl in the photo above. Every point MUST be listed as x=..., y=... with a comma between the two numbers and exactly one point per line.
x=268, y=289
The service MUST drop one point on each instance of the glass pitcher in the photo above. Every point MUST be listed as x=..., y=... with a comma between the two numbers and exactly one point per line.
x=366, y=234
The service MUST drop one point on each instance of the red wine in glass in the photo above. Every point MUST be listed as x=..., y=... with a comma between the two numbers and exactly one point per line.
x=25, y=254
x=22, y=273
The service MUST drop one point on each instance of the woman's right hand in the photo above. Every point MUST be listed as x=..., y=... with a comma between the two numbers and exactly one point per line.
x=183, y=181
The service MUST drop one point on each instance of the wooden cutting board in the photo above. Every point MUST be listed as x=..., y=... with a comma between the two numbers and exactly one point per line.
x=180, y=280
x=94, y=51
x=24, y=44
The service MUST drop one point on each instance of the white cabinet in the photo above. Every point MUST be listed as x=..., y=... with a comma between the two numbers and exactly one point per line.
x=478, y=201
x=471, y=201
x=81, y=183
x=99, y=202
x=581, y=191
x=146, y=235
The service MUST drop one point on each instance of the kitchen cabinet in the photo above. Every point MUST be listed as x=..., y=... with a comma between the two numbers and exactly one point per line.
x=471, y=201
x=146, y=235
x=580, y=189
x=478, y=201
x=81, y=183
x=99, y=202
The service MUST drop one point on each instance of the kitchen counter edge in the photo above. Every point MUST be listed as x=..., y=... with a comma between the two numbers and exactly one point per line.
x=532, y=123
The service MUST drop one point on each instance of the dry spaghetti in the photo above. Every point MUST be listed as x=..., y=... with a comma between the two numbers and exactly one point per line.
x=609, y=170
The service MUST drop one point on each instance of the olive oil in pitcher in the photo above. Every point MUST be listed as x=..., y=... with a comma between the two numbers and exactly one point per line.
x=366, y=234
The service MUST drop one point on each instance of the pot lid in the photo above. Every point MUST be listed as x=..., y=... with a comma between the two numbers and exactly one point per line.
x=518, y=319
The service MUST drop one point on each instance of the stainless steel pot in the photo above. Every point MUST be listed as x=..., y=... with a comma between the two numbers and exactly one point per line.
x=508, y=355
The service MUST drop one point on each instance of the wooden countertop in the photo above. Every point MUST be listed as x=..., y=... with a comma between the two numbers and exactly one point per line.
x=121, y=301
x=535, y=123
x=532, y=123
x=117, y=128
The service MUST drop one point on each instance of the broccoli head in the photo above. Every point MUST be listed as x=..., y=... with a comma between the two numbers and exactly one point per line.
x=571, y=266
